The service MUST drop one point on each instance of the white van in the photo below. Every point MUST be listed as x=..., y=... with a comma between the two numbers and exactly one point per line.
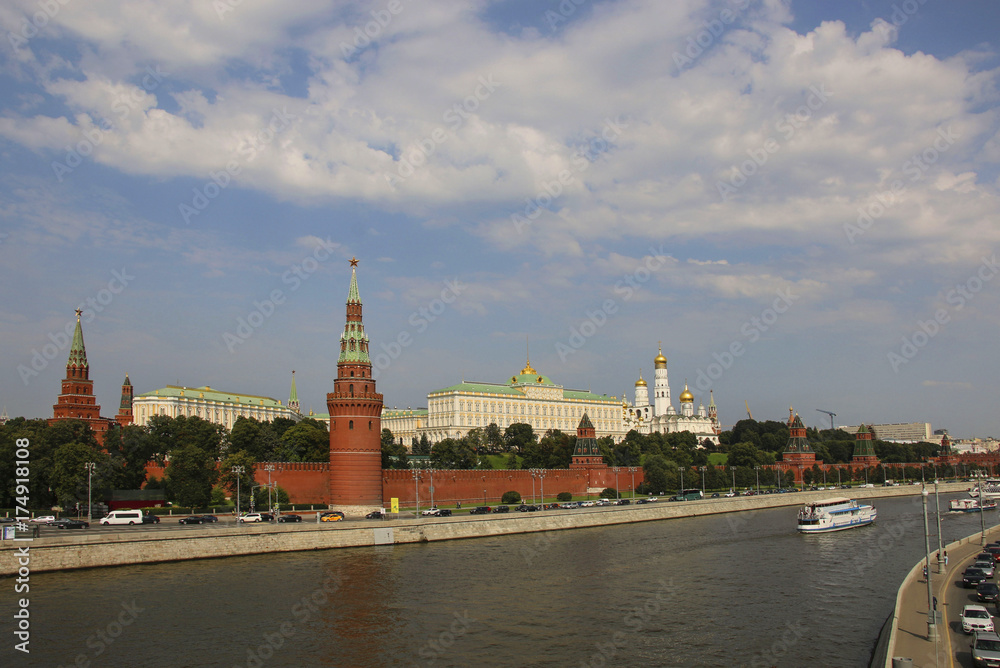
x=123, y=517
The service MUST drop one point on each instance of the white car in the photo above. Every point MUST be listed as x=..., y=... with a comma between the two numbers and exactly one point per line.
x=730, y=494
x=602, y=502
x=43, y=519
x=431, y=512
x=587, y=504
x=976, y=618
x=252, y=517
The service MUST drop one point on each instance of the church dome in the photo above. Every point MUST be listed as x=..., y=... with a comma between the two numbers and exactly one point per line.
x=640, y=382
x=660, y=361
x=686, y=396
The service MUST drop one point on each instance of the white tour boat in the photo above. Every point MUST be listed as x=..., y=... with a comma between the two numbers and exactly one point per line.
x=971, y=505
x=834, y=515
x=991, y=489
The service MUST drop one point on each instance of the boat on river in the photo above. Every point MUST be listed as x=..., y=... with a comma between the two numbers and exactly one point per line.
x=991, y=489
x=971, y=505
x=834, y=515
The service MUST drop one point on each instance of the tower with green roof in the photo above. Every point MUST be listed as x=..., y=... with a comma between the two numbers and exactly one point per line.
x=355, y=416
x=293, y=396
x=77, y=401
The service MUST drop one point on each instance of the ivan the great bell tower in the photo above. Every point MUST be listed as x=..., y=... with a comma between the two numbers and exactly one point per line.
x=355, y=416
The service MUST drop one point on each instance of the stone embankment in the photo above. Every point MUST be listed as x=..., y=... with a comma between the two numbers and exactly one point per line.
x=151, y=544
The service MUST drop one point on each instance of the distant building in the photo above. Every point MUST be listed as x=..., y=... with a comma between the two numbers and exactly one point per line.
x=900, y=432
x=209, y=404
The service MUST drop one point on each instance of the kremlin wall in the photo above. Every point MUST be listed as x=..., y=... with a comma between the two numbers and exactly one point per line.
x=354, y=480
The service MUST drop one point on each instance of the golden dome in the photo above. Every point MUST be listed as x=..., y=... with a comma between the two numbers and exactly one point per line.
x=660, y=361
x=686, y=396
x=640, y=382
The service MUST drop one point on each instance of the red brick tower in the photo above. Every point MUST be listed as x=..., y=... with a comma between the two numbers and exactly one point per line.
x=864, y=451
x=355, y=416
x=77, y=401
x=586, y=454
x=124, y=417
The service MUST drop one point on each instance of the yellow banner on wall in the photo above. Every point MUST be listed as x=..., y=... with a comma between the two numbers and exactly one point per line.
x=394, y=507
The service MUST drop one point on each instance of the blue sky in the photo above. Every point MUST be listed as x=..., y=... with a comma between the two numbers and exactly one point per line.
x=798, y=199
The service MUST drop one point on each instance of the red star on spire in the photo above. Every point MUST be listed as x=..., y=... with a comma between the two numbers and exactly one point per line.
x=354, y=261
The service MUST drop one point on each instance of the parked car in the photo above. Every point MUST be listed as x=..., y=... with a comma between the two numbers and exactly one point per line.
x=644, y=501
x=715, y=495
x=976, y=618
x=257, y=517
x=69, y=523
x=208, y=519
x=444, y=512
x=986, y=565
x=501, y=509
x=526, y=508
x=43, y=519
x=150, y=518
x=973, y=576
x=988, y=592
x=480, y=510
x=602, y=502
x=568, y=505
x=431, y=512
x=375, y=515
x=194, y=519
x=289, y=517
x=7, y=520
x=332, y=516
x=986, y=649
x=623, y=502
x=586, y=504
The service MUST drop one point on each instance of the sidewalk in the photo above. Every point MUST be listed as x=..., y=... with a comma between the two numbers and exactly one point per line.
x=909, y=635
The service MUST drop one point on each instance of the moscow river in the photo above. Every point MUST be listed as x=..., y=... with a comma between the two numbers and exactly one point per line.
x=740, y=589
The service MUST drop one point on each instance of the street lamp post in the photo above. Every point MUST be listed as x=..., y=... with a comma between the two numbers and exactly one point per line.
x=238, y=470
x=733, y=469
x=838, y=476
x=631, y=470
x=702, y=468
x=618, y=490
x=937, y=503
x=681, y=469
x=90, y=471
x=757, y=472
x=416, y=492
x=982, y=512
x=932, y=632
x=431, y=471
x=269, y=468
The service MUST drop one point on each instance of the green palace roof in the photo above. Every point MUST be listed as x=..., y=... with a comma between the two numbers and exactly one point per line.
x=206, y=393
x=515, y=390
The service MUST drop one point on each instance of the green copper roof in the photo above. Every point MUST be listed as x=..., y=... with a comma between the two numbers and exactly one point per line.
x=77, y=351
x=513, y=391
x=208, y=394
x=798, y=443
x=530, y=378
x=353, y=296
x=354, y=344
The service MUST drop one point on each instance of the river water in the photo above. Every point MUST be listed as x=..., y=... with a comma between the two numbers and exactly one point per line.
x=741, y=589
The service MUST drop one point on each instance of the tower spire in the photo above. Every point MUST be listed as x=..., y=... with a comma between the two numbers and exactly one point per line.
x=293, y=396
x=528, y=369
x=78, y=351
x=354, y=341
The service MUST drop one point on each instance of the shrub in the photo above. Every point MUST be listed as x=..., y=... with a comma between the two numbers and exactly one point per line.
x=610, y=493
x=511, y=497
x=564, y=496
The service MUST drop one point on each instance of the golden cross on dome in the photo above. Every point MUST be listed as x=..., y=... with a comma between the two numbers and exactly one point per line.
x=354, y=261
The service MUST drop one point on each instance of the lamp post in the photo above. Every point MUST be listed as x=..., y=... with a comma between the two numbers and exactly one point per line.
x=937, y=503
x=618, y=489
x=681, y=469
x=269, y=468
x=733, y=469
x=757, y=472
x=802, y=476
x=416, y=492
x=982, y=512
x=838, y=476
x=631, y=470
x=431, y=471
x=932, y=632
x=702, y=469
x=532, y=472
x=90, y=471
x=238, y=470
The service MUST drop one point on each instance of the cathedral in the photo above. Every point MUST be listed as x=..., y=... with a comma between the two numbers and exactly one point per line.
x=660, y=415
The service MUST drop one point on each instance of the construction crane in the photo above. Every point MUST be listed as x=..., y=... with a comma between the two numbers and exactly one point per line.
x=832, y=415
x=748, y=409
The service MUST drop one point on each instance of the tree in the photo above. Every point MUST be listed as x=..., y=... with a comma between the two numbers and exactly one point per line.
x=494, y=438
x=191, y=475
x=307, y=441
x=393, y=453
x=423, y=447
x=69, y=475
x=518, y=436
x=511, y=497
x=452, y=454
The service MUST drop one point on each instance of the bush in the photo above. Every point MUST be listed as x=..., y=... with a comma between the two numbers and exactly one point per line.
x=610, y=493
x=511, y=497
x=564, y=496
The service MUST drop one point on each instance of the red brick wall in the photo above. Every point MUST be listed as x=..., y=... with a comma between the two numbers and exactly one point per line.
x=305, y=482
x=468, y=486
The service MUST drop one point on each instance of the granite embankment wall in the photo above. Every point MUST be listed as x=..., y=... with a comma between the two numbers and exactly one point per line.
x=136, y=545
